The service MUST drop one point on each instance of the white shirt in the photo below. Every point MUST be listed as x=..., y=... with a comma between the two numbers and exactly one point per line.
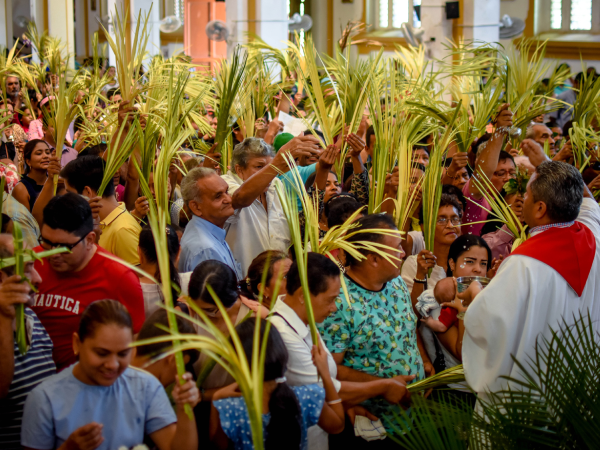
x=523, y=302
x=253, y=230
x=409, y=272
x=300, y=369
x=418, y=241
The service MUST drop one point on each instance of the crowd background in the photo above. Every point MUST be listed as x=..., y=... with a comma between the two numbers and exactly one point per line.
x=267, y=256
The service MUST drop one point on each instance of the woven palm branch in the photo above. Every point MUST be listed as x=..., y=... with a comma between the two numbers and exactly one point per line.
x=582, y=140
x=7, y=64
x=585, y=108
x=38, y=40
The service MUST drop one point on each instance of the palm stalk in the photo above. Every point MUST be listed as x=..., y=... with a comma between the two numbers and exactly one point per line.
x=7, y=65
x=582, y=138
x=39, y=40
x=287, y=197
x=230, y=78
x=387, y=132
x=585, y=108
x=129, y=59
x=117, y=152
x=501, y=210
x=432, y=186
x=453, y=375
x=63, y=111
x=54, y=57
x=308, y=74
x=19, y=270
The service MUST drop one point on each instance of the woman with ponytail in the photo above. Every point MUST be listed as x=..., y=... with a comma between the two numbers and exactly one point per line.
x=153, y=297
x=288, y=412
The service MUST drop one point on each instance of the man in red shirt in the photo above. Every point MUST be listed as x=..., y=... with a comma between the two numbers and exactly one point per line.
x=71, y=281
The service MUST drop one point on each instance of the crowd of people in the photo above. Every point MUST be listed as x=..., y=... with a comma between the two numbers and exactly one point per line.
x=386, y=319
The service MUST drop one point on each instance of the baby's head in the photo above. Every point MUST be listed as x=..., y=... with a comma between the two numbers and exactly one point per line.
x=444, y=290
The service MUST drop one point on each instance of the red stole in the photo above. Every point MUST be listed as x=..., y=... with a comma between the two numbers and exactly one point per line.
x=570, y=251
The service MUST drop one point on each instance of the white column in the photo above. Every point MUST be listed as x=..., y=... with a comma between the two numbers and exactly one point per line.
x=80, y=30
x=236, y=12
x=60, y=24
x=437, y=29
x=272, y=25
x=271, y=22
x=138, y=7
x=36, y=8
x=6, y=22
x=481, y=20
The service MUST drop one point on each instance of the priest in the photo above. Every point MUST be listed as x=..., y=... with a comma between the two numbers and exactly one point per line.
x=553, y=276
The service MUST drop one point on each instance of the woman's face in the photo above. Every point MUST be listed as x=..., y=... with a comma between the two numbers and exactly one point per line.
x=40, y=157
x=211, y=310
x=460, y=178
x=26, y=118
x=104, y=355
x=280, y=270
x=332, y=187
x=448, y=225
x=324, y=303
x=112, y=72
x=472, y=263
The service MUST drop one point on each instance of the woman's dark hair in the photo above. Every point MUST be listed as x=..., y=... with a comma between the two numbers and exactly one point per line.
x=264, y=261
x=320, y=270
x=87, y=171
x=284, y=429
x=370, y=222
x=155, y=326
x=463, y=244
x=312, y=177
x=103, y=312
x=94, y=150
x=455, y=192
x=446, y=200
x=28, y=150
x=220, y=277
x=70, y=213
x=148, y=248
x=339, y=208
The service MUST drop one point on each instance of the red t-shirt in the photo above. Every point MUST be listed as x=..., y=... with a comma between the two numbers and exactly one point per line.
x=63, y=297
x=448, y=316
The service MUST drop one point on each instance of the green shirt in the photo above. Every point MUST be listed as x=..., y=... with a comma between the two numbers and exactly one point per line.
x=378, y=332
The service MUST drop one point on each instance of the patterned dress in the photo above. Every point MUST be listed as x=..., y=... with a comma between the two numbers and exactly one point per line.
x=378, y=332
x=235, y=421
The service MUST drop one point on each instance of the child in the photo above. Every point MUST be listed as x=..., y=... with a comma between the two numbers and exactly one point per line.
x=288, y=412
x=444, y=292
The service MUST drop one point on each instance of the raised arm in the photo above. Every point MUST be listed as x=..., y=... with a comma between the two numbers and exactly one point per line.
x=251, y=189
x=487, y=161
x=47, y=191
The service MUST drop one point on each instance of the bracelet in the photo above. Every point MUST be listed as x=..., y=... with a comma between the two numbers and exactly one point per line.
x=335, y=402
x=423, y=281
x=461, y=315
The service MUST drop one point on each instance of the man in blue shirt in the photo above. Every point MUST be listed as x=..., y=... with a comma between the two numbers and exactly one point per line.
x=205, y=192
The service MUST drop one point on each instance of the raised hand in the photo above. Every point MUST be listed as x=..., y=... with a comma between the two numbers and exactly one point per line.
x=186, y=393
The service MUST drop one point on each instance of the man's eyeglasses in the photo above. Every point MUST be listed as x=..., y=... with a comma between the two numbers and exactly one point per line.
x=49, y=245
x=455, y=221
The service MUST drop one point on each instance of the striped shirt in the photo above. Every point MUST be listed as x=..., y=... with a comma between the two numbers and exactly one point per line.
x=30, y=370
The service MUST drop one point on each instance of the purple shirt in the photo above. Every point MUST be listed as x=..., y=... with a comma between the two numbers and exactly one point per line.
x=500, y=241
x=474, y=212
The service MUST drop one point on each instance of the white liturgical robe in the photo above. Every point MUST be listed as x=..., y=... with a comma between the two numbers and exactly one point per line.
x=524, y=301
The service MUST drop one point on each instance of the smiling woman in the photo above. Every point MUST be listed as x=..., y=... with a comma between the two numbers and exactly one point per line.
x=100, y=400
x=37, y=158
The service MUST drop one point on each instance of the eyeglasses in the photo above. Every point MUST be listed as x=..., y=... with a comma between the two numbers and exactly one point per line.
x=502, y=173
x=49, y=245
x=443, y=221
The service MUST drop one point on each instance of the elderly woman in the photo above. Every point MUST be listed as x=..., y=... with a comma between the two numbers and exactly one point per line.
x=416, y=267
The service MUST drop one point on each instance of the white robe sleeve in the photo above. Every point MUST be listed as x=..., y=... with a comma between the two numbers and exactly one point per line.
x=589, y=215
x=494, y=325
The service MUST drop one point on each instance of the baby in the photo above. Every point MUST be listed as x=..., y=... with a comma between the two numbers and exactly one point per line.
x=444, y=292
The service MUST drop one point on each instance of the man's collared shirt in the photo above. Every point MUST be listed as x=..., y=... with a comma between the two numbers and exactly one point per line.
x=202, y=241
x=539, y=229
x=121, y=234
x=253, y=230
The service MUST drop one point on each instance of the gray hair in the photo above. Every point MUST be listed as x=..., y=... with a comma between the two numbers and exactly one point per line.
x=530, y=132
x=189, y=185
x=247, y=149
x=560, y=186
